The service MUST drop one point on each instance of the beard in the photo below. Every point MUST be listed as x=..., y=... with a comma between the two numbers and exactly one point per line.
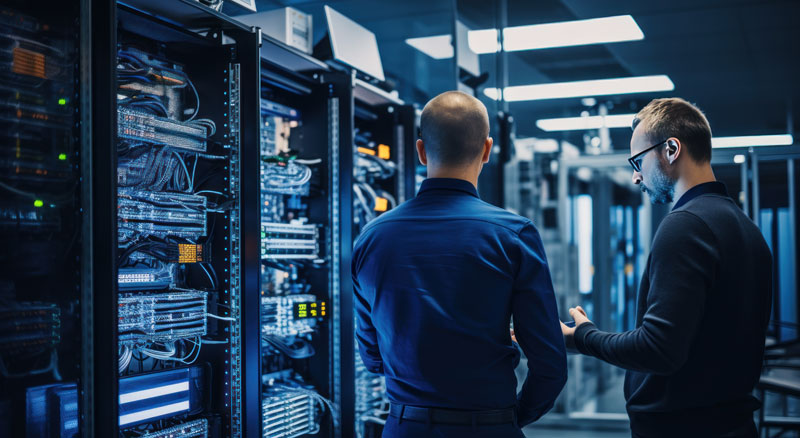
x=661, y=188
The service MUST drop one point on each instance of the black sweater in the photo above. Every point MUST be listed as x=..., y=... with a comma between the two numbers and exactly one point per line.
x=704, y=304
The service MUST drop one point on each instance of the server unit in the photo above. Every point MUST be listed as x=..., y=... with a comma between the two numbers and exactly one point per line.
x=42, y=225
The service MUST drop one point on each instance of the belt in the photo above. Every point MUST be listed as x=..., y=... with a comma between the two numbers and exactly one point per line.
x=452, y=416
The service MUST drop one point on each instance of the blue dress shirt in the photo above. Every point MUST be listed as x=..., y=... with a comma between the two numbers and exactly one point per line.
x=436, y=282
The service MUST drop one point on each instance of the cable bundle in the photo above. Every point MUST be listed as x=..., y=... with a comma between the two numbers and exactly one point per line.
x=285, y=178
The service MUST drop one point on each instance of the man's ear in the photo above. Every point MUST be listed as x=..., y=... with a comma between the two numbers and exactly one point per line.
x=674, y=148
x=423, y=157
x=487, y=150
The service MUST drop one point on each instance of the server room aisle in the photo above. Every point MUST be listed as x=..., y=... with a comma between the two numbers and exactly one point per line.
x=539, y=432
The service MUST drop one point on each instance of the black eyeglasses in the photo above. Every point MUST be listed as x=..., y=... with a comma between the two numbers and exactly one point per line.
x=636, y=160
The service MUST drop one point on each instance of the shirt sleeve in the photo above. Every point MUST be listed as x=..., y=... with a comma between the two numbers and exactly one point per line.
x=683, y=265
x=537, y=330
x=366, y=335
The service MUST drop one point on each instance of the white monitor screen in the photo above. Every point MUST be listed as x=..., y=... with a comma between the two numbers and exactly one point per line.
x=353, y=44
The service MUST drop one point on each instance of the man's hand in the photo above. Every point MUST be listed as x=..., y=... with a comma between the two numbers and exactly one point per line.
x=579, y=315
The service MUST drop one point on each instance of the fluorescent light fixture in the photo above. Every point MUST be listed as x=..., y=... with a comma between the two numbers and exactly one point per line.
x=153, y=392
x=571, y=33
x=153, y=413
x=537, y=36
x=437, y=46
x=483, y=41
x=597, y=87
x=752, y=140
x=585, y=123
x=738, y=158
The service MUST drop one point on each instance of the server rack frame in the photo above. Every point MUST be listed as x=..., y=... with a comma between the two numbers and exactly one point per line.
x=394, y=121
x=72, y=17
x=332, y=93
x=100, y=400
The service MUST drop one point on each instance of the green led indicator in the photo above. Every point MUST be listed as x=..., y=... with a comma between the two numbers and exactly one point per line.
x=38, y=203
x=62, y=101
x=62, y=157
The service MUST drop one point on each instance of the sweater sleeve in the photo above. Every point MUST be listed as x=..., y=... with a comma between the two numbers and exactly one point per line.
x=683, y=264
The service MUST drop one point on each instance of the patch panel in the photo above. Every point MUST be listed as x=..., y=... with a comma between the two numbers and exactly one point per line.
x=160, y=214
x=16, y=108
x=288, y=413
x=141, y=126
x=164, y=317
x=289, y=249
x=145, y=278
x=289, y=241
x=191, y=429
x=295, y=231
x=28, y=217
x=157, y=169
x=29, y=327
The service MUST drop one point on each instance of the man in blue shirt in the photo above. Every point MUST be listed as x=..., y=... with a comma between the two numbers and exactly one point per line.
x=437, y=281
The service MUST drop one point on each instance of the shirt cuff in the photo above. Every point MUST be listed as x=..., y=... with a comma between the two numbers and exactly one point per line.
x=580, y=336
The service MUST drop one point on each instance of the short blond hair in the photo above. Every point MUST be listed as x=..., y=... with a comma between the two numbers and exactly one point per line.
x=675, y=117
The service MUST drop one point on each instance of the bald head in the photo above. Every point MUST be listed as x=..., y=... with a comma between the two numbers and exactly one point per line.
x=454, y=127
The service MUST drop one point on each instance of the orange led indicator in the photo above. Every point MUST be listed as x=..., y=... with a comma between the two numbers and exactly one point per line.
x=383, y=151
x=381, y=204
x=367, y=151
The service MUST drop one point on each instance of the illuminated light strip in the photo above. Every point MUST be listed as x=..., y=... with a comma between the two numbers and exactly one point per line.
x=752, y=140
x=131, y=397
x=153, y=413
x=537, y=36
x=585, y=123
x=596, y=87
x=437, y=46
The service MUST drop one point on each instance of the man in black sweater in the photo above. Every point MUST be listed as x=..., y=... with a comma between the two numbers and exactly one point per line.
x=705, y=295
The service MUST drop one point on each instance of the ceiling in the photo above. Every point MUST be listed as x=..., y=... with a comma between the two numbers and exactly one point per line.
x=738, y=60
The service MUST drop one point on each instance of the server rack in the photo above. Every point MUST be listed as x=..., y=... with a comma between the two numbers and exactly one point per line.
x=43, y=163
x=176, y=231
x=383, y=177
x=195, y=256
x=305, y=118
x=315, y=117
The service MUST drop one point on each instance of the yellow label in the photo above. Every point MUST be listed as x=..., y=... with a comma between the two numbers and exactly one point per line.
x=189, y=253
x=381, y=204
x=383, y=151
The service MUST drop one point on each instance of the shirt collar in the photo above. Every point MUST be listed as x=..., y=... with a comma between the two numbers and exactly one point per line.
x=701, y=189
x=454, y=184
